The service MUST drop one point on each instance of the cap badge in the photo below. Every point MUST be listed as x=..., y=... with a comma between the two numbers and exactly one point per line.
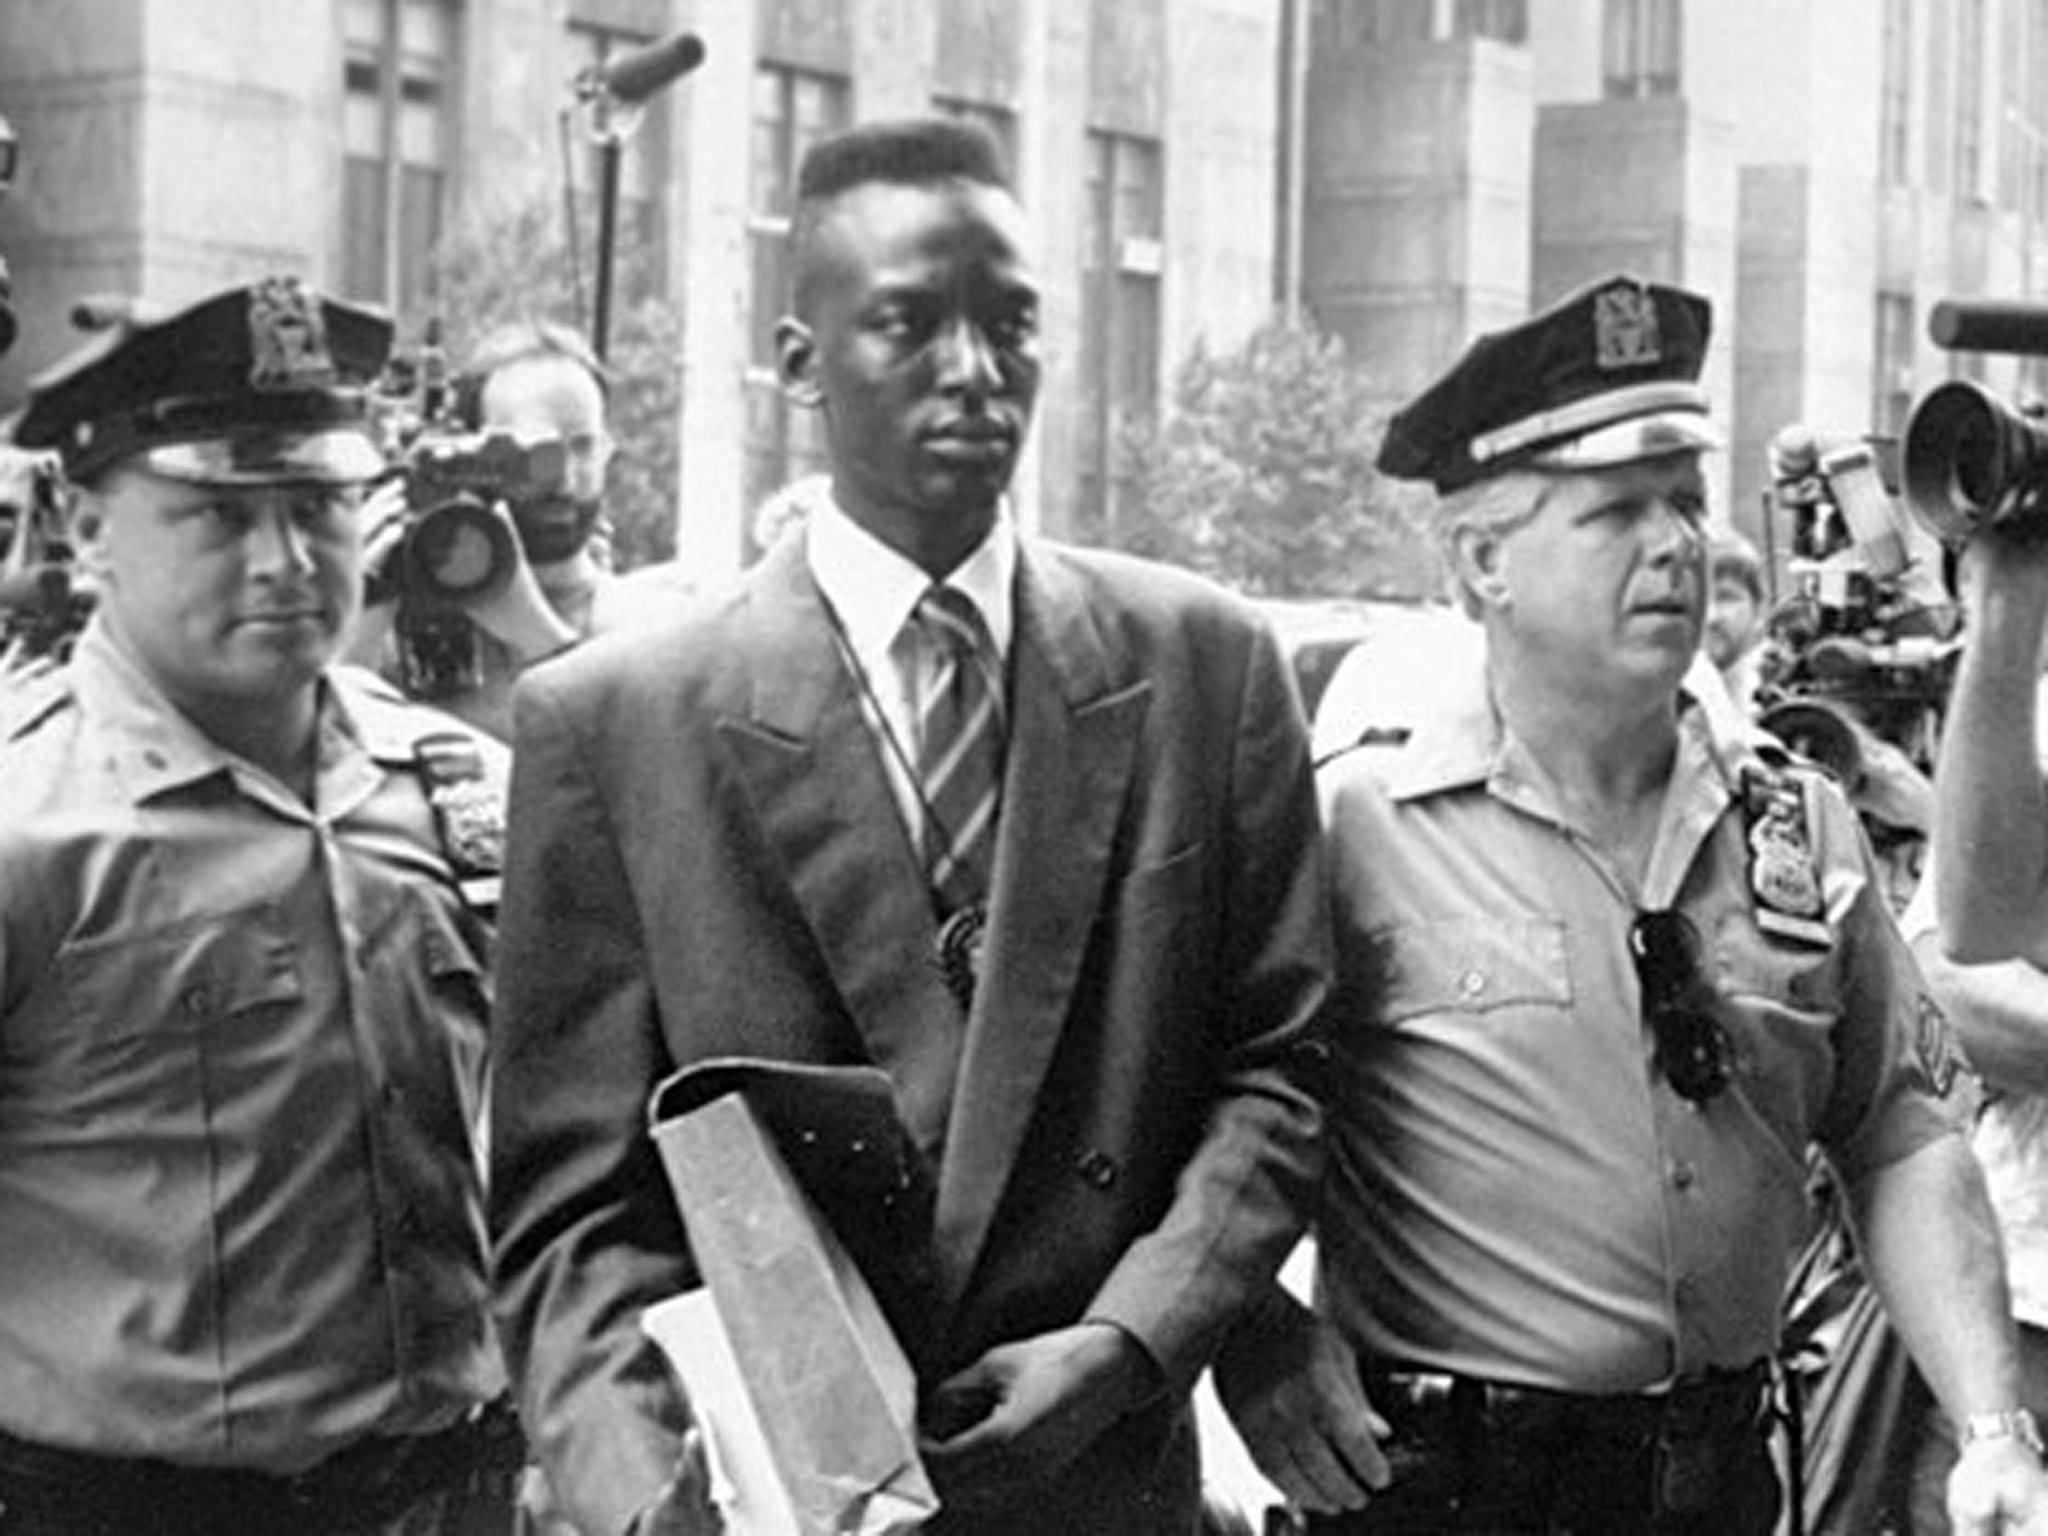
x=287, y=338
x=1625, y=327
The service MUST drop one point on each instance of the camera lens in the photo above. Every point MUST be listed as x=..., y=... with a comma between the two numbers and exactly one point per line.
x=458, y=550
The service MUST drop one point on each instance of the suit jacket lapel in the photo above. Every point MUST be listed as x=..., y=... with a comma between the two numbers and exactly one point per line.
x=816, y=781
x=1074, y=730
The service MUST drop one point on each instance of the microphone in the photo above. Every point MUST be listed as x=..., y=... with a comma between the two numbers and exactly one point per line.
x=1990, y=325
x=635, y=76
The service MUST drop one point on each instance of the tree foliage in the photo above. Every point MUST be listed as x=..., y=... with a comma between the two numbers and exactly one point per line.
x=516, y=265
x=1261, y=475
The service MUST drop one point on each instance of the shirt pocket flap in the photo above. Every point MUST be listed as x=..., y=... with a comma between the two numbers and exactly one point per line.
x=1471, y=965
x=183, y=976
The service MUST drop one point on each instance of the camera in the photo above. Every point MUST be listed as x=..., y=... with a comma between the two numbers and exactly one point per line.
x=42, y=604
x=1862, y=648
x=1971, y=459
x=456, y=547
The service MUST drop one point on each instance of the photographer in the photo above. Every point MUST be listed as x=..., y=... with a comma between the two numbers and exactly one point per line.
x=539, y=385
x=1983, y=941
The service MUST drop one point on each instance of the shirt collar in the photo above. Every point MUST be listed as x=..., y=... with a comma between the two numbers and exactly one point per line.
x=156, y=749
x=1465, y=742
x=872, y=588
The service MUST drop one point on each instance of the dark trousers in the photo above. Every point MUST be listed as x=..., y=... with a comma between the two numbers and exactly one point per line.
x=461, y=1482
x=1481, y=1459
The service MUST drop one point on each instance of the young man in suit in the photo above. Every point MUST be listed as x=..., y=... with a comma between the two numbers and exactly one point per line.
x=1091, y=978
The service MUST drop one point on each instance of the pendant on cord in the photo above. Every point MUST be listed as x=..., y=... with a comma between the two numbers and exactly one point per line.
x=959, y=951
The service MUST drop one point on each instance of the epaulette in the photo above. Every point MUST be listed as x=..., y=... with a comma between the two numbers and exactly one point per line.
x=1380, y=737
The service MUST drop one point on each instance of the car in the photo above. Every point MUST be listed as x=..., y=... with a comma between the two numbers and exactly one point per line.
x=1367, y=669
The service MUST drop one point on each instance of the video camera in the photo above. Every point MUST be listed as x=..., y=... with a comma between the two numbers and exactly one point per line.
x=457, y=549
x=1972, y=459
x=42, y=606
x=1862, y=648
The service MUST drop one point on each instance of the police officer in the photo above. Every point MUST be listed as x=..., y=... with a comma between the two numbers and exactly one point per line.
x=1605, y=970
x=242, y=998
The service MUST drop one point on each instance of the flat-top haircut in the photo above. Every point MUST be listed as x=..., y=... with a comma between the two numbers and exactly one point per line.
x=911, y=152
x=907, y=152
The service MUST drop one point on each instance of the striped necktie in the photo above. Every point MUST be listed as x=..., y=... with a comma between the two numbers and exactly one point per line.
x=960, y=750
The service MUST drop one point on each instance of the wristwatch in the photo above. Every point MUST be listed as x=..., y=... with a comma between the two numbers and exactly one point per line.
x=2013, y=1424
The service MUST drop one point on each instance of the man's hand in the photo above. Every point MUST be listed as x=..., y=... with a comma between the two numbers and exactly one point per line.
x=383, y=520
x=518, y=613
x=1997, y=1487
x=1290, y=1385
x=1023, y=1411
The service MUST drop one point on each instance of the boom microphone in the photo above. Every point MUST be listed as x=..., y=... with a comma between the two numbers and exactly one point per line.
x=1990, y=325
x=633, y=77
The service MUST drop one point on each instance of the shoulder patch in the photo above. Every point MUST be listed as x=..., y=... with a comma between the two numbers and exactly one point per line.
x=468, y=800
x=1934, y=1048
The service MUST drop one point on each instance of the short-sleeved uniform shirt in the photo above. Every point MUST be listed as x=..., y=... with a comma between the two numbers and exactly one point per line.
x=241, y=1046
x=2011, y=1135
x=1515, y=1191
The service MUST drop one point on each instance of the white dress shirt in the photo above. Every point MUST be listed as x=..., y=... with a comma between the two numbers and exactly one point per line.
x=872, y=590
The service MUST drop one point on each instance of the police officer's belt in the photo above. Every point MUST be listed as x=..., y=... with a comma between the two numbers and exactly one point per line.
x=1713, y=1397
x=1689, y=1436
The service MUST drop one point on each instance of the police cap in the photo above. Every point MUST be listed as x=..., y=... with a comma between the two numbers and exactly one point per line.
x=263, y=383
x=1606, y=376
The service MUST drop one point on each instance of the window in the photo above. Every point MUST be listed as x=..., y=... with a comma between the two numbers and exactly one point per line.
x=1895, y=95
x=1969, y=143
x=1122, y=260
x=2030, y=108
x=793, y=109
x=1349, y=24
x=1892, y=395
x=1505, y=21
x=643, y=164
x=1640, y=49
x=397, y=128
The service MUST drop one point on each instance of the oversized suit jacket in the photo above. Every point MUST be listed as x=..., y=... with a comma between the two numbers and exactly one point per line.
x=705, y=860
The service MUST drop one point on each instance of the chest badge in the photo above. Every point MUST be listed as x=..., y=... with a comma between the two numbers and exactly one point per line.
x=1784, y=870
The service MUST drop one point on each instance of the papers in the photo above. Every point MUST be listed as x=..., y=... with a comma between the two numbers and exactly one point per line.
x=806, y=1399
